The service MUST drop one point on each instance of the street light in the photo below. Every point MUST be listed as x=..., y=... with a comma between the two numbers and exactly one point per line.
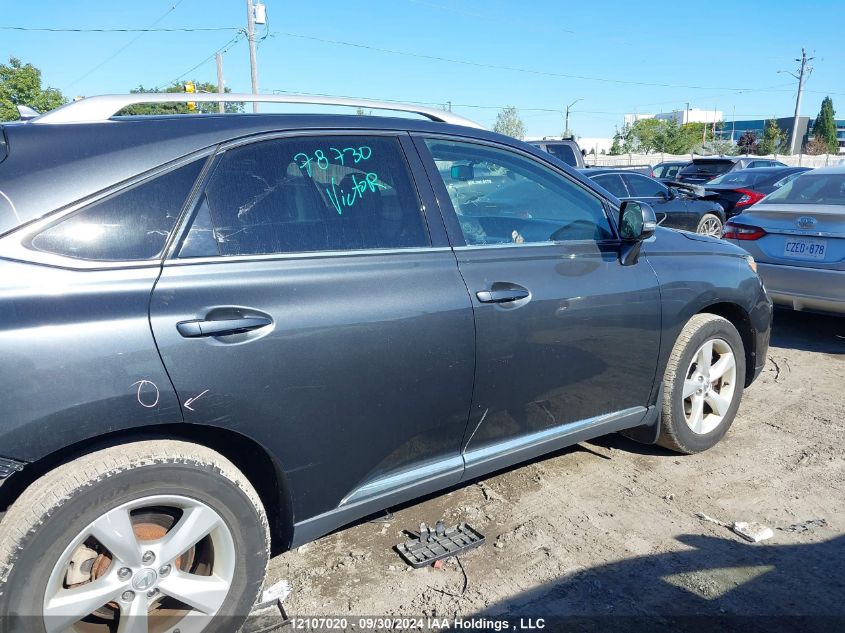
x=566, y=132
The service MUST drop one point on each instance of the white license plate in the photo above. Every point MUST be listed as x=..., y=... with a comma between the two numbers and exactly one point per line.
x=805, y=248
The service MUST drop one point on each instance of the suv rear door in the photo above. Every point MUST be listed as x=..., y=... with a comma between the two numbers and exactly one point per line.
x=567, y=337
x=309, y=306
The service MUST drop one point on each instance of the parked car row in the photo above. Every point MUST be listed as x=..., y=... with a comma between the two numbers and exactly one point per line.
x=796, y=234
x=790, y=219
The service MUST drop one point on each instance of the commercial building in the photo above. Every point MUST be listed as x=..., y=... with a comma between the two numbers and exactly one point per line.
x=681, y=117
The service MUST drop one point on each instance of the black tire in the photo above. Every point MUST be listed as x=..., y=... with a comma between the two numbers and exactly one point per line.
x=675, y=433
x=709, y=219
x=56, y=508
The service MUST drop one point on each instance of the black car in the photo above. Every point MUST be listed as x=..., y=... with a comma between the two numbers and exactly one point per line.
x=668, y=171
x=705, y=169
x=677, y=207
x=738, y=190
x=223, y=336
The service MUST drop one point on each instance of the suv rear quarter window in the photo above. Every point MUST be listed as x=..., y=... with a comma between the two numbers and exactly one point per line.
x=307, y=194
x=132, y=224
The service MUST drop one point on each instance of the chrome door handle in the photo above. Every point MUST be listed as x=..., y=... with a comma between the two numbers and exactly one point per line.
x=200, y=327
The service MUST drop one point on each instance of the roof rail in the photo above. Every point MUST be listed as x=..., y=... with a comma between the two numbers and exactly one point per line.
x=103, y=107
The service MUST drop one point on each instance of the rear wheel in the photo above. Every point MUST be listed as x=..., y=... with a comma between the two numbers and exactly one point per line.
x=710, y=224
x=703, y=384
x=151, y=536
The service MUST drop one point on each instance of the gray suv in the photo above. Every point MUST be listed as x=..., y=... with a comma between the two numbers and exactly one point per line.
x=223, y=336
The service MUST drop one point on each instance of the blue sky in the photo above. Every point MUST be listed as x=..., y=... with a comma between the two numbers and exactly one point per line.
x=715, y=54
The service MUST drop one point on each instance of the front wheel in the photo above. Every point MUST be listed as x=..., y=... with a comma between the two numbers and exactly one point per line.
x=703, y=384
x=709, y=224
x=149, y=536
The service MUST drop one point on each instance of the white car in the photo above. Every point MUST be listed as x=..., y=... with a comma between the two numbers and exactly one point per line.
x=797, y=237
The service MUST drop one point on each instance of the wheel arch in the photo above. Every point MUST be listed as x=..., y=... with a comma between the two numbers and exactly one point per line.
x=258, y=466
x=741, y=320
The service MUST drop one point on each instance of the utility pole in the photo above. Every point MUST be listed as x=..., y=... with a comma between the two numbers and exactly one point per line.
x=566, y=131
x=253, y=63
x=803, y=74
x=220, y=89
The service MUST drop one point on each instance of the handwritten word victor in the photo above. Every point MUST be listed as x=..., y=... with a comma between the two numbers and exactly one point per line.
x=343, y=200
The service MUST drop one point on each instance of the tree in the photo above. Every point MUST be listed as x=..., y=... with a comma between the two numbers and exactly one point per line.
x=748, y=143
x=816, y=146
x=616, y=146
x=508, y=122
x=180, y=108
x=773, y=141
x=20, y=84
x=825, y=126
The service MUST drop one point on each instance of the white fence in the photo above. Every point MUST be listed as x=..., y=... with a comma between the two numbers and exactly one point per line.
x=804, y=160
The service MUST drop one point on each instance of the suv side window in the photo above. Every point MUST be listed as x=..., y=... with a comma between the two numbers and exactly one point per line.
x=642, y=187
x=563, y=152
x=308, y=194
x=613, y=183
x=132, y=224
x=516, y=200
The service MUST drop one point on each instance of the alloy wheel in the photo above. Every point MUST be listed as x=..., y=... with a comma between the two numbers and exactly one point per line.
x=709, y=386
x=711, y=227
x=157, y=563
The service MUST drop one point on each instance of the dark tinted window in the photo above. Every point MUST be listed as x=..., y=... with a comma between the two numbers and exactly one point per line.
x=308, y=194
x=563, y=152
x=501, y=197
x=708, y=167
x=740, y=177
x=671, y=171
x=131, y=224
x=643, y=187
x=613, y=183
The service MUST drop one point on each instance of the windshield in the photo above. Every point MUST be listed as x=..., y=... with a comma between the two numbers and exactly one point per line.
x=810, y=189
x=739, y=178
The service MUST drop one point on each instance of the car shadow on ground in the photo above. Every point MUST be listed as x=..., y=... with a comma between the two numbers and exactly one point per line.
x=711, y=583
x=808, y=332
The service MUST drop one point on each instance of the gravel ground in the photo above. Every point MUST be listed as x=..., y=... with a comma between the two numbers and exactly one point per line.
x=609, y=527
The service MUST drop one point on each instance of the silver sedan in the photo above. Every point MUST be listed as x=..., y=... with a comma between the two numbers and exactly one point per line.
x=797, y=237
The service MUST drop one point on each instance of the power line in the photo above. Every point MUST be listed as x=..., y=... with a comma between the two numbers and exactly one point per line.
x=152, y=30
x=501, y=67
x=223, y=49
x=127, y=45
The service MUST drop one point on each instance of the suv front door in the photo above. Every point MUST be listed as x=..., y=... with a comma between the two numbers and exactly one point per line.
x=566, y=336
x=309, y=307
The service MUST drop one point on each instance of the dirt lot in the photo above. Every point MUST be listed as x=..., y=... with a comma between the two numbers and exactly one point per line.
x=609, y=527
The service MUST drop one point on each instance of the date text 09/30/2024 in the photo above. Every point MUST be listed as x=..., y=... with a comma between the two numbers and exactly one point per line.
x=416, y=624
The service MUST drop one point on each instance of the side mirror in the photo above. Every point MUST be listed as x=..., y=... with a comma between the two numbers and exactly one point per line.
x=637, y=221
x=462, y=172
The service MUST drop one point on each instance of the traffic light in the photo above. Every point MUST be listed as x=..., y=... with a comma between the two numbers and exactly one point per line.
x=190, y=87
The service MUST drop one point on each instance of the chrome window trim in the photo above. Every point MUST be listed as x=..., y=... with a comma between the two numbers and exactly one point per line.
x=224, y=259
